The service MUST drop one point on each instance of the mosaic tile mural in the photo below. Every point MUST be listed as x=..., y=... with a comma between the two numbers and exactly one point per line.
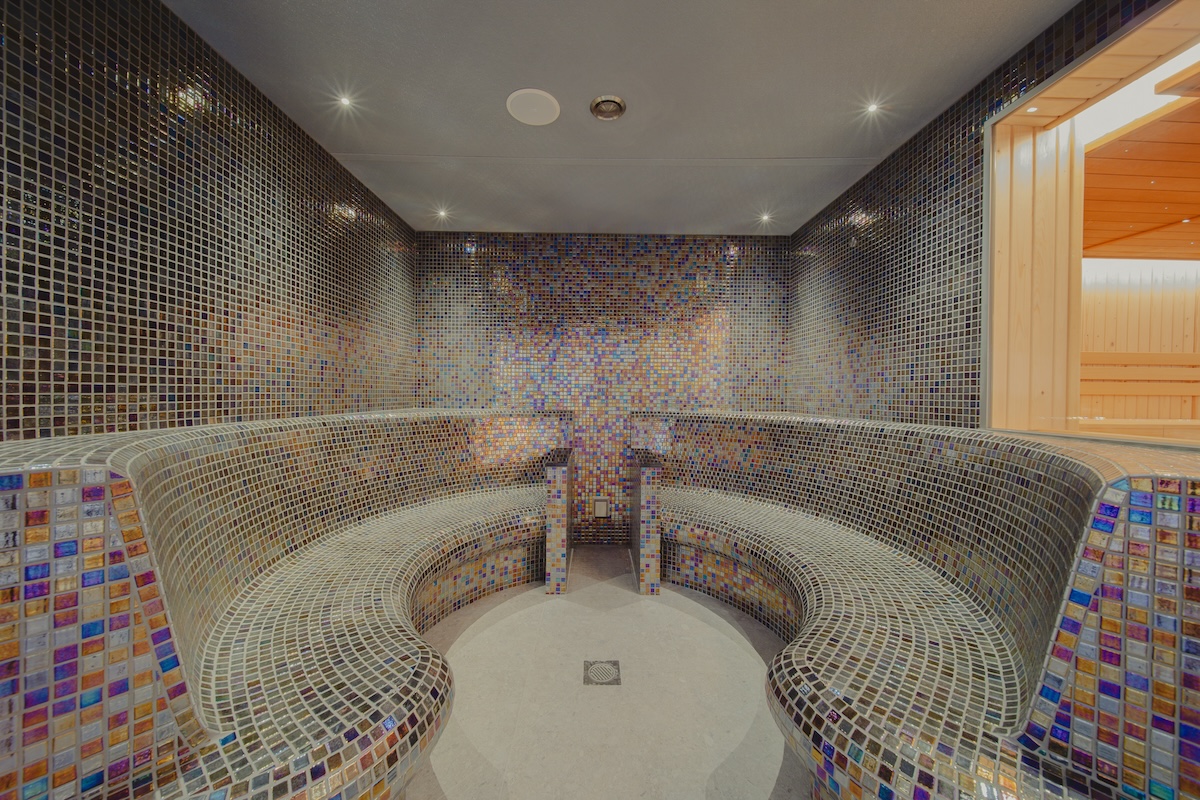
x=176, y=250
x=389, y=522
x=600, y=325
x=885, y=292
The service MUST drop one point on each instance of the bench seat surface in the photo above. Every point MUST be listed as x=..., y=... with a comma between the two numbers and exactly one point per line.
x=878, y=638
x=330, y=636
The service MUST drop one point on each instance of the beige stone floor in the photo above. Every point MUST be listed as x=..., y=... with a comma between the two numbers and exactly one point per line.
x=689, y=719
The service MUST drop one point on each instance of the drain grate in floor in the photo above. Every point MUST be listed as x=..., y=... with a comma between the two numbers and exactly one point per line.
x=602, y=673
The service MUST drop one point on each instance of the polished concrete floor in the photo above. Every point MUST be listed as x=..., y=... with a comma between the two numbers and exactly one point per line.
x=688, y=720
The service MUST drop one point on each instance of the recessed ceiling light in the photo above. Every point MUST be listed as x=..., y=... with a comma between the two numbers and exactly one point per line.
x=873, y=107
x=1186, y=221
x=765, y=217
x=533, y=106
x=443, y=213
x=608, y=107
x=344, y=101
x=1031, y=109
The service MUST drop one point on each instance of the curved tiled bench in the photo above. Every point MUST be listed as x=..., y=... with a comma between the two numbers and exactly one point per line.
x=956, y=602
x=858, y=615
x=235, y=610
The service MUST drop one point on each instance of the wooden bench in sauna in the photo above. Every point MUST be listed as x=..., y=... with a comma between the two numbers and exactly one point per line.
x=1141, y=394
x=959, y=606
x=236, y=610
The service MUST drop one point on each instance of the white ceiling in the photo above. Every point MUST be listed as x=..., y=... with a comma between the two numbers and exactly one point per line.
x=736, y=109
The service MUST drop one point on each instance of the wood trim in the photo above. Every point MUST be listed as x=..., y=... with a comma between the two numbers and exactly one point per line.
x=1185, y=83
x=1108, y=372
x=1130, y=388
x=1160, y=38
x=1036, y=241
x=1141, y=359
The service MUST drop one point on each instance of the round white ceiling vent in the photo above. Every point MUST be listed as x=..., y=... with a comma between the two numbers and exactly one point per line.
x=533, y=106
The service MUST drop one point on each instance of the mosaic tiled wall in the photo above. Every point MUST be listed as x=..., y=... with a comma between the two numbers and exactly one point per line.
x=105, y=694
x=176, y=250
x=601, y=325
x=885, y=293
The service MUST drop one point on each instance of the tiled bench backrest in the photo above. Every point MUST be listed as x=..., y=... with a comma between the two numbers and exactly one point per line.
x=999, y=516
x=223, y=506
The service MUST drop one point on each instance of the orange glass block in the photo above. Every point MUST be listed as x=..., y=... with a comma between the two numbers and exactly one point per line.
x=64, y=776
x=35, y=770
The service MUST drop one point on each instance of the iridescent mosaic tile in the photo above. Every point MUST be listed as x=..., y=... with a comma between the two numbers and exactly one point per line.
x=110, y=694
x=600, y=325
x=177, y=251
x=905, y=676
x=560, y=503
x=645, y=540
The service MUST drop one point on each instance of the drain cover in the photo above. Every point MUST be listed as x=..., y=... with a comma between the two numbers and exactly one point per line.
x=602, y=673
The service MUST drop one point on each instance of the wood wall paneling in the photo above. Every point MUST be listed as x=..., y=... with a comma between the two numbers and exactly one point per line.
x=1140, y=359
x=1037, y=235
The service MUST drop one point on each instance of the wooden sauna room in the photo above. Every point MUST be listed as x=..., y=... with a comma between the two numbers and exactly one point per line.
x=1140, y=346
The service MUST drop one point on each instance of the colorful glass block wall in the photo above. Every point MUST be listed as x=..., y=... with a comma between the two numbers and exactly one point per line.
x=103, y=689
x=1120, y=695
x=885, y=294
x=90, y=669
x=601, y=325
x=176, y=250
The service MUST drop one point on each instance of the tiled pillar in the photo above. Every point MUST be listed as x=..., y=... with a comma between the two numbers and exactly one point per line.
x=559, y=502
x=643, y=521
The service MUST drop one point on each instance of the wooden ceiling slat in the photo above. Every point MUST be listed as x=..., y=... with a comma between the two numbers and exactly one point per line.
x=1081, y=87
x=1115, y=229
x=1148, y=168
x=1132, y=217
x=1151, y=151
x=1143, y=194
x=1162, y=183
x=1169, y=211
x=1153, y=41
x=1143, y=252
x=1165, y=132
x=1112, y=66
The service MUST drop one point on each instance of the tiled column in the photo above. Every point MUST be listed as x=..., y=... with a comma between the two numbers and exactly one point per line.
x=643, y=521
x=559, y=502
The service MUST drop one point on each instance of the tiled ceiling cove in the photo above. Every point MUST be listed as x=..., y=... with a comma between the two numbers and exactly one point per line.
x=736, y=111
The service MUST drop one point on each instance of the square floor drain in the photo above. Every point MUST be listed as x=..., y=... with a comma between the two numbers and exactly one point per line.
x=602, y=673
